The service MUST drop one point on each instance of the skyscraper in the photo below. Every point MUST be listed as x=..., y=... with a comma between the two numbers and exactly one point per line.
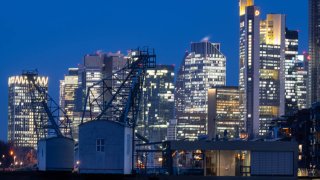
x=71, y=94
x=314, y=52
x=24, y=111
x=157, y=103
x=301, y=81
x=292, y=42
x=223, y=112
x=204, y=67
x=99, y=66
x=112, y=63
x=93, y=64
x=272, y=71
x=249, y=65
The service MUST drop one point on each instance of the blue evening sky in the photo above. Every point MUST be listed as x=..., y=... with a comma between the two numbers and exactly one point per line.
x=54, y=35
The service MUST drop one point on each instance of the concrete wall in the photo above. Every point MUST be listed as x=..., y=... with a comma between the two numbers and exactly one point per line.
x=116, y=158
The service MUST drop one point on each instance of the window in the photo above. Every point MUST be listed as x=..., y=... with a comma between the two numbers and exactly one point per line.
x=100, y=145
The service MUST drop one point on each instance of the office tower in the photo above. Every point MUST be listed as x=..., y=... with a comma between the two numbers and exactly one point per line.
x=249, y=66
x=23, y=110
x=93, y=64
x=172, y=130
x=112, y=63
x=71, y=94
x=272, y=71
x=99, y=66
x=292, y=42
x=157, y=103
x=314, y=52
x=224, y=113
x=301, y=81
x=204, y=67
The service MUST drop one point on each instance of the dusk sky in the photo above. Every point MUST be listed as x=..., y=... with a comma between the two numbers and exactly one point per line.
x=52, y=36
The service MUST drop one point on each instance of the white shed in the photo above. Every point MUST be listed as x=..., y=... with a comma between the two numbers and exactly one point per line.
x=56, y=154
x=105, y=147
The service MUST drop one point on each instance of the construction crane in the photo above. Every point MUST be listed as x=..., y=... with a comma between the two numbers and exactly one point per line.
x=49, y=119
x=117, y=97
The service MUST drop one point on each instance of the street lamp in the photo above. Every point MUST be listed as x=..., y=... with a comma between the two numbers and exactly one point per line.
x=14, y=160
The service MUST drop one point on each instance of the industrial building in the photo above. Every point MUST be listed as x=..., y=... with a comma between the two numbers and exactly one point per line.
x=105, y=147
x=231, y=158
x=56, y=154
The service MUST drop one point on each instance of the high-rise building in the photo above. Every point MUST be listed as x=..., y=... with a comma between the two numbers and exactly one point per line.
x=157, y=103
x=24, y=111
x=224, y=113
x=314, y=52
x=100, y=66
x=71, y=95
x=300, y=70
x=272, y=71
x=172, y=130
x=249, y=66
x=93, y=64
x=292, y=42
x=204, y=67
x=112, y=63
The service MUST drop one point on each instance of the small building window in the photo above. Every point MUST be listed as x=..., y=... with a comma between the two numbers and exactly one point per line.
x=100, y=145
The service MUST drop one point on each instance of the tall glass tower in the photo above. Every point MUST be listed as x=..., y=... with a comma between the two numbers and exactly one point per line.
x=314, y=52
x=70, y=99
x=272, y=71
x=157, y=103
x=22, y=112
x=249, y=66
x=204, y=67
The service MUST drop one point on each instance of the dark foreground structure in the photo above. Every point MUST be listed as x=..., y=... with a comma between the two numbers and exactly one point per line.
x=70, y=176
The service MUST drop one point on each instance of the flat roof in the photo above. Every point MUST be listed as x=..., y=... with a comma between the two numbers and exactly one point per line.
x=235, y=145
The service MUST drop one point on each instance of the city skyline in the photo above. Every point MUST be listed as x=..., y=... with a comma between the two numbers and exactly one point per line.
x=32, y=58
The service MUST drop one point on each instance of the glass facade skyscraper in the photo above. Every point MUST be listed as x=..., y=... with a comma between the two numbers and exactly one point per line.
x=23, y=112
x=314, y=52
x=157, y=103
x=202, y=68
x=71, y=94
x=292, y=42
x=224, y=113
x=272, y=71
x=249, y=63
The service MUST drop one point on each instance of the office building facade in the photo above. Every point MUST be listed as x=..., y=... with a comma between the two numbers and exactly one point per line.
x=71, y=96
x=249, y=66
x=24, y=111
x=157, y=103
x=292, y=43
x=272, y=71
x=202, y=68
x=314, y=52
x=224, y=119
